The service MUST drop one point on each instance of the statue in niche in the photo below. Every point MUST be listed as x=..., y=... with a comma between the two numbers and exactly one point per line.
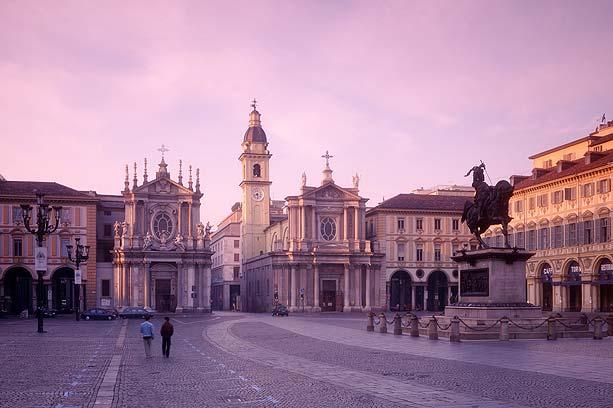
x=179, y=241
x=148, y=240
x=200, y=230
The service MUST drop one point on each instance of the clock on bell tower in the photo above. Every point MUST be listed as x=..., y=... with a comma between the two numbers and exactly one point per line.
x=255, y=187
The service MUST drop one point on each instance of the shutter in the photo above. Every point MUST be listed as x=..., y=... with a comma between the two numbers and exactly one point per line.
x=608, y=237
x=566, y=237
x=580, y=232
x=597, y=227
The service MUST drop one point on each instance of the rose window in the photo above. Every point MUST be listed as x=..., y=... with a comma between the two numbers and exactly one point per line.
x=328, y=228
x=162, y=226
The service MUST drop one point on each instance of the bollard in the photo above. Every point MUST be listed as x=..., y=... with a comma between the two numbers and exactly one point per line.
x=397, y=324
x=597, y=328
x=432, y=329
x=370, y=325
x=383, y=325
x=414, y=326
x=504, y=329
x=454, y=335
x=551, y=329
x=610, y=325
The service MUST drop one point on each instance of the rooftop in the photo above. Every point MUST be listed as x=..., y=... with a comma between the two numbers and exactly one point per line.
x=423, y=202
x=30, y=188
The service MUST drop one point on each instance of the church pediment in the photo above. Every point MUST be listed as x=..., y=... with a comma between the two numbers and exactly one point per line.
x=331, y=192
x=162, y=185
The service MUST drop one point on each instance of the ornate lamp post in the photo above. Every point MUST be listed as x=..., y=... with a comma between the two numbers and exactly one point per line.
x=81, y=255
x=44, y=226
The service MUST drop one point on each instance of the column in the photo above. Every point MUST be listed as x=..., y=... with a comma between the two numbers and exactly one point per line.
x=346, y=292
x=147, y=281
x=191, y=280
x=425, y=305
x=368, y=288
x=345, y=229
x=135, y=283
x=448, y=294
x=116, y=285
x=293, y=286
x=179, y=287
x=356, y=226
x=314, y=234
x=413, y=296
x=206, y=300
x=302, y=223
x=226, y=296
x=358, y=286
x=316, y=287
x=125, y=268
x=179, y=218
x=189, y=221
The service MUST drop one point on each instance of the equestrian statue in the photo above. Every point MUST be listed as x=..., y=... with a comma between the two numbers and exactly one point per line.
x=489, y=207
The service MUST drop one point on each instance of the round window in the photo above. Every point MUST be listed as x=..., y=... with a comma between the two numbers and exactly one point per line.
x=162, y=226
x=419, y=273
x=455, y=273
x=328, y=228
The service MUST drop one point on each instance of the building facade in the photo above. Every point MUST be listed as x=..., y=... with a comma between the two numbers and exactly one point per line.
x=226, y=262
x=162, y=257
x=18, y=278
x=418, y=234
x=563, y=213
x=313, y=256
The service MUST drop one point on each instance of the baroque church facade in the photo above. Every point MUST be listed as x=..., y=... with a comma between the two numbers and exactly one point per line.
x=161, y=254
x=315, y=256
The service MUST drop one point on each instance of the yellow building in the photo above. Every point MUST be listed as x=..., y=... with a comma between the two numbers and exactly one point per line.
x=563, y=213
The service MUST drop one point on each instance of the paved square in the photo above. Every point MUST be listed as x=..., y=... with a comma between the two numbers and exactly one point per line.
x=231, y=359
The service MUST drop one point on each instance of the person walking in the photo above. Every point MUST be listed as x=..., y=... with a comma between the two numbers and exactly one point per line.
x=146, y=329
x=166, y=332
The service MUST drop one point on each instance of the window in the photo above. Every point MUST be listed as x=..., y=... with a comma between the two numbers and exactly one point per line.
x=236, y=243
x=105, y=287
x=236, y=257
x=531, y=203
x=571, y=234
x=557, y=237
x=543, y=238
x=531, y=240
x=557, y=197
x=162, y=226
x=18, y=217
x=437, y=224
x=66, y=215
x=455, y=224
x=17, y=247
x=587, y=190
x=328, y=228
x=419, y=224
x=541, y=200
x=63, y=247
x=437, y=253
x=604, y=186
x=257, y=172
x=237, y=270
x=107, y=230
x=570, y=193
x=108, y=213
x=603, y=233
x=547, y=164
x=588, y=236
x=498, y=241
x=400, y=224
x=520, y=239
x=569, y=156
x=419, y=253
x=519, y=206
x=401, y=251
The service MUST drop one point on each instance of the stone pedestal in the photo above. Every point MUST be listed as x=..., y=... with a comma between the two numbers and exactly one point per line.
x=492, y=285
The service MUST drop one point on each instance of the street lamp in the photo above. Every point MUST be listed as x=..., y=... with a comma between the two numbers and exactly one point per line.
x=43, y=227
x=81, y=255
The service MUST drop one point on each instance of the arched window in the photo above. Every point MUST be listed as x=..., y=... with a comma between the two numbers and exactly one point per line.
x=257, y=170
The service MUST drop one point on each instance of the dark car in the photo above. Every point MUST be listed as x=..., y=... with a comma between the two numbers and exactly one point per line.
x=135, y=313
x=98, y=314
x=46, y=312
x=280, y=310
x=113, y=311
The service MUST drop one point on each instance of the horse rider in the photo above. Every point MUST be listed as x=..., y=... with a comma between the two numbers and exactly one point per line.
x=482, y=189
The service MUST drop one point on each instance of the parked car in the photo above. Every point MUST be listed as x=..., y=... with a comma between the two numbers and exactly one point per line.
x=135, y=313
x=46, y=312
x=113, y=311
x=97, y=314
x=280, y=310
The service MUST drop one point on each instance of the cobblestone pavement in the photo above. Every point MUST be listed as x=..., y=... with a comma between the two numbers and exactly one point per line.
x=231, y=359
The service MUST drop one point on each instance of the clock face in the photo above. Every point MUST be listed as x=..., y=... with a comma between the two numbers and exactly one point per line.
x=258, y=194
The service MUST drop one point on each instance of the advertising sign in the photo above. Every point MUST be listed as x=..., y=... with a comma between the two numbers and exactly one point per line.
x=77, y=277
x=40, y=259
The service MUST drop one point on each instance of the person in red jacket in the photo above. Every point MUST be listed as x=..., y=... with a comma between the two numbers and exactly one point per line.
x=166, y=332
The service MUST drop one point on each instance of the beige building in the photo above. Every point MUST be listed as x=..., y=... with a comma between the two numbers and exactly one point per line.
x=314, y=255
x=226, y=261
x=563, y=213
x=18, y=278
x=418, y=234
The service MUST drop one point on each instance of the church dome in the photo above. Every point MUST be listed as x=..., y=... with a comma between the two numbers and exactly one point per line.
x=255, y=133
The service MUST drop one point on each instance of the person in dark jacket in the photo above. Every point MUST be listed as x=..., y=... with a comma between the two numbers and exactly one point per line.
x=166, y=332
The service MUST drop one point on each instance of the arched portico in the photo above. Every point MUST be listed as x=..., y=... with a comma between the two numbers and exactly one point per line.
x=546, y=274
x=400, y=291
x=17, y=287
x=604, y=269
x=438, y=287
x=573, y=282
x=63, y=289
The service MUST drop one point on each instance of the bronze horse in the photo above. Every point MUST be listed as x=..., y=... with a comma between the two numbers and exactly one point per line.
x=490, y=206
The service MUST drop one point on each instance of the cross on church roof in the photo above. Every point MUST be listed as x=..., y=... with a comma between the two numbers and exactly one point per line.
x=163, y=149
x=327, y=156
x=254, y=103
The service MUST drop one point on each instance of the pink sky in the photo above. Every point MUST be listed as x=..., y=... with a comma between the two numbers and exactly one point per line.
x=407, y=94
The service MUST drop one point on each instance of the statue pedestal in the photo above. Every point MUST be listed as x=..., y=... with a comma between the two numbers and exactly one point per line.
x=493, y=285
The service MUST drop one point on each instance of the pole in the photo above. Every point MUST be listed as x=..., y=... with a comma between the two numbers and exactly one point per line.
x=40, y=289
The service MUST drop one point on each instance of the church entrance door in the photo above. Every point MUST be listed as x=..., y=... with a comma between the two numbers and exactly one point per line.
x=328, y=295
x=163, y=297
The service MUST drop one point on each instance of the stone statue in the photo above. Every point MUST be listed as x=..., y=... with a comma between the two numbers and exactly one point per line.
x=124, y=229
x=200, y=230
x=303, y=180
x=179, y=241
x=356, y=180
x=116, y=226
x=489, y=207
x=208, y=229
x=148, y=240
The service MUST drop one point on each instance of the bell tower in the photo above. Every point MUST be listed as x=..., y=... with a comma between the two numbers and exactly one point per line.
x=255, y=187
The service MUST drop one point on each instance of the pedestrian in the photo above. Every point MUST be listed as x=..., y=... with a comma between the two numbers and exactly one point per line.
x=146, y=329
x=166, y=332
